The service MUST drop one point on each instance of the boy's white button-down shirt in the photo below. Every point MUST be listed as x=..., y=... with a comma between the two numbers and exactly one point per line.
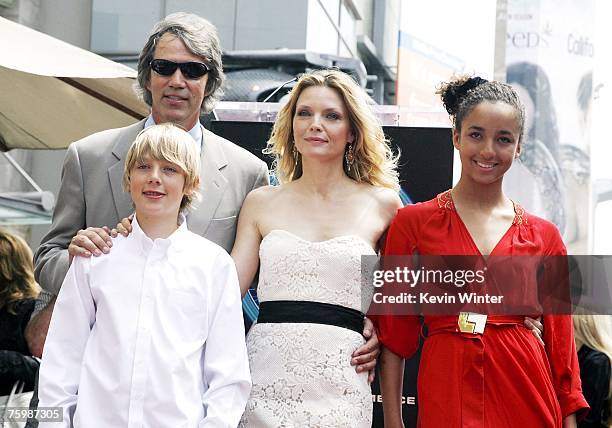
x=150, y=335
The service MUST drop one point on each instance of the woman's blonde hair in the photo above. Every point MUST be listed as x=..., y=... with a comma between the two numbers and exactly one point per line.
x=171, y=143
x=374, y=162
x=16, y=271
x=594, y=332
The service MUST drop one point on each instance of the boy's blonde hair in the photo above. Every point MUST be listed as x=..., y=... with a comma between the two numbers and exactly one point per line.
x=171, y=143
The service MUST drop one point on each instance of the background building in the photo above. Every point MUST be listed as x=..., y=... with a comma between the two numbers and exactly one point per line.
x=398, y=50
x=359, y=36
x=386, y=45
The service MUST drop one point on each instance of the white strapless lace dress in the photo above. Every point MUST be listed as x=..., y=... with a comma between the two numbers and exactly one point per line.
x=301, y=373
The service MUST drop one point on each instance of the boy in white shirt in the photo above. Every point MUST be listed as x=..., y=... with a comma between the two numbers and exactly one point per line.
x=150, y=335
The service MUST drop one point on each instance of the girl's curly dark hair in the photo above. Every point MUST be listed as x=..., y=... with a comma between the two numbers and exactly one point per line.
x=462, y=94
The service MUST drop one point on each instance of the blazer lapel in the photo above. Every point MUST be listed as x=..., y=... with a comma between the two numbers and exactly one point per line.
x=212, y=183
x=123, y=200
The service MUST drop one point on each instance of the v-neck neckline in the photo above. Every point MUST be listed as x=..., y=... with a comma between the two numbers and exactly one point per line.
x=445, y=201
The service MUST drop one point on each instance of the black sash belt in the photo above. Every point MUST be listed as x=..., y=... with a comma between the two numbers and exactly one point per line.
x=292, y=311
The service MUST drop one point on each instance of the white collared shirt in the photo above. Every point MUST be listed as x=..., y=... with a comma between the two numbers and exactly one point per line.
x=150, y=335
x=195, y=132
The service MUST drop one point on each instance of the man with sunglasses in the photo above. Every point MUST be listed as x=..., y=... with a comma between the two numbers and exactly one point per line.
x=180, y=75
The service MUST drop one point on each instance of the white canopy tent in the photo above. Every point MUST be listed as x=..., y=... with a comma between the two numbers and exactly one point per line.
x=53, y=93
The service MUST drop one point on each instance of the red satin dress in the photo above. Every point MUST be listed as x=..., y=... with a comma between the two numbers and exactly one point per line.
x=504, y=377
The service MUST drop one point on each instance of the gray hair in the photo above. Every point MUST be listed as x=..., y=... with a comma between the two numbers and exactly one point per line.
x=200, y=37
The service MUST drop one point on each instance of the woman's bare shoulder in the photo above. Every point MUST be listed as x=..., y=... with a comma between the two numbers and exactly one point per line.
x=264, y=197
x=262, y=194
x=387, y=199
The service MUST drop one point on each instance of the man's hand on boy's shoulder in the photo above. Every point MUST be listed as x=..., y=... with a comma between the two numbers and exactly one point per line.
x=93, y=240
x=124, y=227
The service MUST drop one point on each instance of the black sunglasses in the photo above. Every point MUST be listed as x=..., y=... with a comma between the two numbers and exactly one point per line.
x=191, y=70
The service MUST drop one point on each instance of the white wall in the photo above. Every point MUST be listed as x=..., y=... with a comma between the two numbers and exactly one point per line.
x=222, y=13
x=120, y=27
x=69, y=21
x=386, y=17
x=271, y=24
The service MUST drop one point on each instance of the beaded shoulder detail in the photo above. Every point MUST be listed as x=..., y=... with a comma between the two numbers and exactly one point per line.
x=519, y=215
x=445, y=202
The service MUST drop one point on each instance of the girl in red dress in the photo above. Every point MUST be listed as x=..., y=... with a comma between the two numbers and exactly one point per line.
x=503, y=377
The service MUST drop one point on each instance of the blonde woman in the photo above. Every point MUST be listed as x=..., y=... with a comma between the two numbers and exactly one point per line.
x=594, y=347
x=18, y=291
x=338, y=194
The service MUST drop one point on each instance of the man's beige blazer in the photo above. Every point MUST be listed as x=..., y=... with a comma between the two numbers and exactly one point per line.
x=91, y=194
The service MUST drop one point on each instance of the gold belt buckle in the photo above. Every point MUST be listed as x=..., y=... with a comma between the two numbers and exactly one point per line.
x=470, y=322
